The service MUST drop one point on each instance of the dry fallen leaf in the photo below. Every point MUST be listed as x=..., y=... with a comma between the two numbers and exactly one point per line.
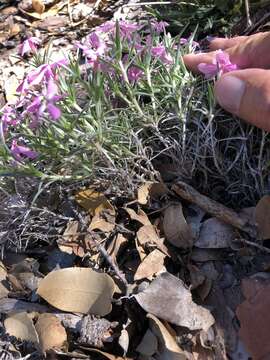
x=254, y=318
x=152, y=264
x=41, y=15
x=99, y=223
x=140, y=249
x=141, y=217
x=10, y=87
x=38, y=6
x=262, y=217
x=115, y=245
x=51, y=333
x=143, y=193
x=79, y=290
x=93, y=201
x=215, y=234
x=123, y=340
x=21, y=326
x=151, y=190
x=71, y=235
x=176, y=229
x=149, y=344
x=147, y=235
x=168, y=348
x=3, y=275
x=168, y=298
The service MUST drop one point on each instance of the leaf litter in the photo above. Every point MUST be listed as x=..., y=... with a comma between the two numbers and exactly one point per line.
x=181, y=278
x=172, y=261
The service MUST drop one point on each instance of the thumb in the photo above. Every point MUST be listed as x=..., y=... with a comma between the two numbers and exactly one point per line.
x=246, y=93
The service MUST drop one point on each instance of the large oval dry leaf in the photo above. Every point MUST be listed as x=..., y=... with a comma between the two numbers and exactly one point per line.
x=176, y=229
x=168, y=347
x=51, y=333
x=21, y=326
x=152, y=264
x=262, y=217
x=215, y=234
x=79, y=290
x=168, y=298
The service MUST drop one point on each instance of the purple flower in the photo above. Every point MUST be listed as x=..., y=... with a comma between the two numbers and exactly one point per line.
x=134, y=74
x=20, y=152
x=29, y=45
x=97, y=43
x=220, y=65
x=43, y=72
x=45, y=103
x=106, y=27
x=126, y=28
x=159, y=26
x=161, y=53
x=9, y=117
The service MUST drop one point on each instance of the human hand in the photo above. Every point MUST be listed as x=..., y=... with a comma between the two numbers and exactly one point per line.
x=244, y=92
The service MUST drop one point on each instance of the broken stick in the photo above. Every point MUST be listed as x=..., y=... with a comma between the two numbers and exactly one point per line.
x=214, y=208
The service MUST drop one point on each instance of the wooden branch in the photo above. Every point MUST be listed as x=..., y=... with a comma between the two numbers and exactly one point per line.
x=214, y=208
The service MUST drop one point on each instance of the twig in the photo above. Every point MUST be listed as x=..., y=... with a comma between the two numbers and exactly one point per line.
x=254, y=244
x=214, y=208
x=69, y=13
x=148, y=3
x=249, y=22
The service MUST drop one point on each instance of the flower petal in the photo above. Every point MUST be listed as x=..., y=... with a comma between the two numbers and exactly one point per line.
x=54, y=111
x=209, y=70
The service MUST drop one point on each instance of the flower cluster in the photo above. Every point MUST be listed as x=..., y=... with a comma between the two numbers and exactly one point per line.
x=220, y=65
x=37, y=99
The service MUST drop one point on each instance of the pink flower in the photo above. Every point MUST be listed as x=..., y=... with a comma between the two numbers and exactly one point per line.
x=97, y=43
x=43, y=72
x=134, y=73
x=160, y=52
x=220, y=65
x=126, y=28
x=45, y=103
x=159, y=26
x=29, y=45
x=21, y=151
x=9, y=116
x=106, y=27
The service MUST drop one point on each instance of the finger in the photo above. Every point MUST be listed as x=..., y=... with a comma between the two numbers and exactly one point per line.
x=250, y=53
x=193, y=60
x=225, y=43
x=246, y=93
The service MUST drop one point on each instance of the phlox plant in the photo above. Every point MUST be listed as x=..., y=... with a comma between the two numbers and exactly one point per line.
x=122, y=105
x=88, y=112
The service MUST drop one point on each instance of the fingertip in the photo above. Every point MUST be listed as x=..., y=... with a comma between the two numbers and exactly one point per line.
x=193, y=60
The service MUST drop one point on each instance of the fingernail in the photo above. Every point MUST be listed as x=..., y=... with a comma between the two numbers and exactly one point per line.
x=229, y=91
x=210, y=38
